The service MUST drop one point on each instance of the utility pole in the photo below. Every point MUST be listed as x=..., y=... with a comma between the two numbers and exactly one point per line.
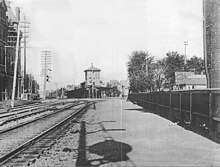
x=92, y=82
x=25, y=25
x=56, y=89
x=45, y=62
x=62, y=92
x=16, y=65
x=185, y=44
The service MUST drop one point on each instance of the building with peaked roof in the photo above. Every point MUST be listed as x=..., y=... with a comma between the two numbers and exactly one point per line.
x=92, y=76
x=92, y=81
x=187, y=80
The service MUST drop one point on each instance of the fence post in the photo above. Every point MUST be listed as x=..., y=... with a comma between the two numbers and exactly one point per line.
x=147, y=100
x=180, y=109
x=171, y=115
x=210, y=115
x=158, y=103
x=163, y=105
x=190, y=108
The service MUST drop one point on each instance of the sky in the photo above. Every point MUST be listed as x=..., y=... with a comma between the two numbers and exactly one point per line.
x=106, y=32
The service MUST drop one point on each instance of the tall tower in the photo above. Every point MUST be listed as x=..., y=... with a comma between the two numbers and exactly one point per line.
x=92, y=76
x=212, y=41
x=92, y=79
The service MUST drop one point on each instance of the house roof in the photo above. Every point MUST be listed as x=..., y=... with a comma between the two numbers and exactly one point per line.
x=124, y=82
x=92, y=69
x=188, y=78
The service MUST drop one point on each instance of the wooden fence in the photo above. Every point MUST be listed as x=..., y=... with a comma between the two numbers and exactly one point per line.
x=198, y=108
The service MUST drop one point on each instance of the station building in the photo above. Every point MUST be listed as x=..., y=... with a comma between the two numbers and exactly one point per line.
x=93, y=82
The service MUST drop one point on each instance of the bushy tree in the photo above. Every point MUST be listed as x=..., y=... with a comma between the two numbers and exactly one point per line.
x=158, y=75
x=145, y=74
x=173, y=62
x=195, y=64
x=140, y=68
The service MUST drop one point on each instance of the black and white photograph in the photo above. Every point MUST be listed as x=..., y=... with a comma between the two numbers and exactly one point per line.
x=110, y=83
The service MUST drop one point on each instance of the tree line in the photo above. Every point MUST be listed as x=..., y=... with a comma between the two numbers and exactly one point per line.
x=146, y=74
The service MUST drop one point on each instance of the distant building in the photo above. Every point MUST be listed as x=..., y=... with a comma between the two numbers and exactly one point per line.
x=8, y=34
x=113, y=83
x=3, y=43
x=93, y=82
x=92, y=76
x=119, y=88
x=187, y=80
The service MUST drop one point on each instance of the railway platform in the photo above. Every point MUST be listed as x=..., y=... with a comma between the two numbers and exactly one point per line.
x=123, y=134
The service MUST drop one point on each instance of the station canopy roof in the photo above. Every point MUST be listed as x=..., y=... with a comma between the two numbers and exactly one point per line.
x=92, y=68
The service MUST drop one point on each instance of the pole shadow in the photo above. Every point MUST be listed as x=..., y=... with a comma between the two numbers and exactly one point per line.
x=135, y=109
x=109, y=150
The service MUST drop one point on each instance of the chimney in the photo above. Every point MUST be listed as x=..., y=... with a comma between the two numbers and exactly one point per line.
x=18, y=13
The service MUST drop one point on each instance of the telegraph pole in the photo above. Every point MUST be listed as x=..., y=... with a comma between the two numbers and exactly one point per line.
x=25, y=26
x=16, y=65
x=45, y=62
x=56, y=89
x=92, y=81
x=185, y=44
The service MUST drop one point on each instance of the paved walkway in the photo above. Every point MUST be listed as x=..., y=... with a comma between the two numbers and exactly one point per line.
x=125, y=132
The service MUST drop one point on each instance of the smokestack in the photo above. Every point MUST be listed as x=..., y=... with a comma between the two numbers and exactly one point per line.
x=18, y=13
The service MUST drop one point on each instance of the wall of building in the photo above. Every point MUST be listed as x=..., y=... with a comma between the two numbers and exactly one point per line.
x=92, y=77
x=3, y=42
x=7, y=54
x=212, y=36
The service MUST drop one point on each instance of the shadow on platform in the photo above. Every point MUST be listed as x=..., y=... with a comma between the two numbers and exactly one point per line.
x=108, y=150
x=136, y=109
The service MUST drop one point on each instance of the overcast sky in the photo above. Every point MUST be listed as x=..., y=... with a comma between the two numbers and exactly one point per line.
x=105, y=32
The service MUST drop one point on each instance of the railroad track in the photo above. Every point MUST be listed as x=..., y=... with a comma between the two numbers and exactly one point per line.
x=10, y=128
x=25, y=112
x=44, y=138
x=26, y=106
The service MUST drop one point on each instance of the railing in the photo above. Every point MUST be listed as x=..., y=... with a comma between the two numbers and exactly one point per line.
x=198, y=108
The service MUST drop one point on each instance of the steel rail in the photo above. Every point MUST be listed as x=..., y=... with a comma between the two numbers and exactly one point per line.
x=39, y=110
x=27, y=144
x=27, y=109
x=41, y=117
x=27, y=106
x=21, y=112
x=21, y=107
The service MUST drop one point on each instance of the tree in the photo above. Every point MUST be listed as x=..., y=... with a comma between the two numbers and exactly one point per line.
x=173, y=62
x=140, y=68
x=31, y=85
x=195, y=64
x=158, y=75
